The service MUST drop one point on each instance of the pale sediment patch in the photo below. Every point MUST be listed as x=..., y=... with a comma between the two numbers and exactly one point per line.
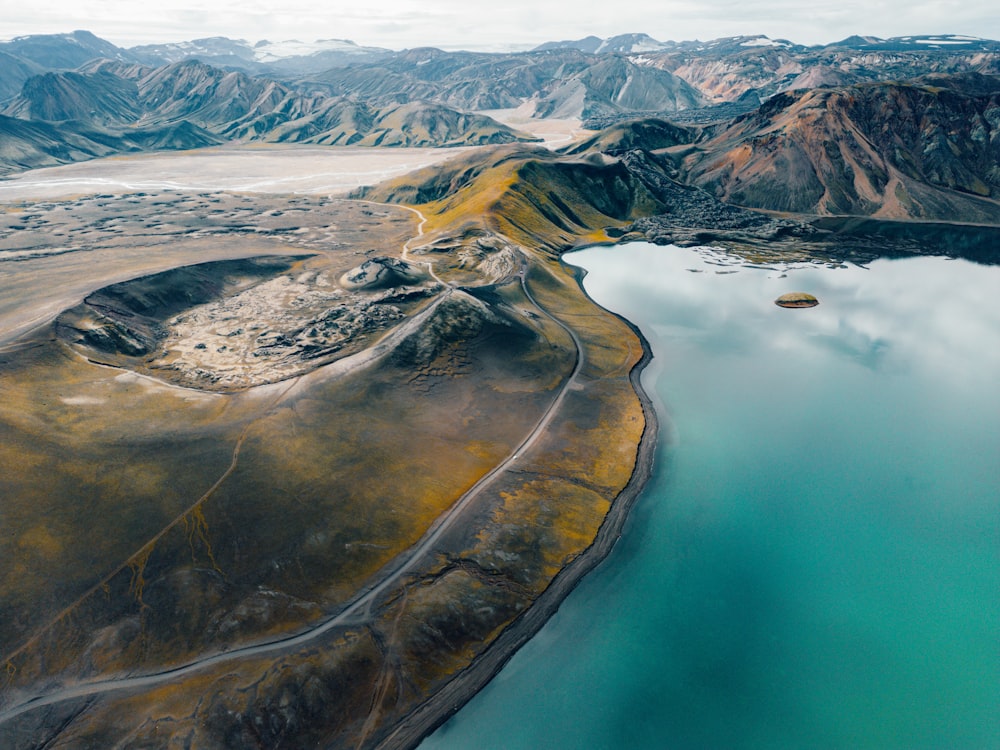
x=252, y=169
x=554, y=132
x=149, y=383
x=277, y=329
x=83, y=400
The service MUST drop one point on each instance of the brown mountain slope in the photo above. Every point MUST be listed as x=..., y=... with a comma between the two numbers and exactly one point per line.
x=530, y=195
x=649, y=134
x=725, y=75
x=26, y=144
x=14, y=71
x=553, y=202
x=925, y=149
x=100, y=98
x=821, y=76
x=616, y=84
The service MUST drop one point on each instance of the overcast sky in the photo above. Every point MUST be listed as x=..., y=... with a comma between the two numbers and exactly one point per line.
x=499, y=24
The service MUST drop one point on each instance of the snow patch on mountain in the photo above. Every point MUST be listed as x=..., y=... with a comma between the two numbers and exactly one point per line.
x=266, y=51
x=763, y=41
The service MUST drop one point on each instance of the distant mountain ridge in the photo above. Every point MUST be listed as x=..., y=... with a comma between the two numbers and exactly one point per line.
x=287, y=57
x=63, y=51
x=564, y=77
x=558, y=83
x=926, y=42
x=904, y=128
x=623, y=44
x=725, y=69
x=631, y=44
x=110, y=106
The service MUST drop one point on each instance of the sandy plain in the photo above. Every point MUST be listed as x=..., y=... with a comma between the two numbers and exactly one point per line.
x=237, y=168
x=255, y=168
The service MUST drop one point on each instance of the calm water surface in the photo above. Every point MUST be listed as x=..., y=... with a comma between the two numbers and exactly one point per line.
x=816, y=563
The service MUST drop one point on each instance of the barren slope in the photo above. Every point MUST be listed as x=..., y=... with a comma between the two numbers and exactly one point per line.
x=926, y=149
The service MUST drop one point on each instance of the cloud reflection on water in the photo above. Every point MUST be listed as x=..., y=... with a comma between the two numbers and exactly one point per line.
x=931, y=313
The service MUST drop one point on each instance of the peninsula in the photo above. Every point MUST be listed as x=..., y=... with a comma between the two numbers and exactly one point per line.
x=348, y=464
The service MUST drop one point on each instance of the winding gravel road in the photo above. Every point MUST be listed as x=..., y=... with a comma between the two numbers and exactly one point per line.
x=359, y=609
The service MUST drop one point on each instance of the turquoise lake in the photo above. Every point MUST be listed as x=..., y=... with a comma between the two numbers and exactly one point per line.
x=816, y=562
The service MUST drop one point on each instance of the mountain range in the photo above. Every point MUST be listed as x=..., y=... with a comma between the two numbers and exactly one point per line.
x=111, y=106
x=565, y=83
x=927, y=149
x=663, y=76
x=907, y=127
x=273, y=58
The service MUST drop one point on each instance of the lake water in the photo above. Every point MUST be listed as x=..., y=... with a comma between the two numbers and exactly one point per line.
x=816, y=563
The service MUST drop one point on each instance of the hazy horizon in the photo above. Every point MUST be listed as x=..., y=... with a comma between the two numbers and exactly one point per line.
x=519, y=24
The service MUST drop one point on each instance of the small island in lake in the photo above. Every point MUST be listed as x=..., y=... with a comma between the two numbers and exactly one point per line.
x=796, y=299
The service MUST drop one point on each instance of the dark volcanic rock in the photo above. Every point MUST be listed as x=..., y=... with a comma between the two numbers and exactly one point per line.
x=696, y=217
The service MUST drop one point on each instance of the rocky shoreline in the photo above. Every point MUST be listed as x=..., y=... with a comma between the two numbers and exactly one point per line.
x=447, y=701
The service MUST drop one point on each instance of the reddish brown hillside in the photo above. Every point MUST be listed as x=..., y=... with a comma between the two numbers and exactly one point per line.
x=923, y=149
